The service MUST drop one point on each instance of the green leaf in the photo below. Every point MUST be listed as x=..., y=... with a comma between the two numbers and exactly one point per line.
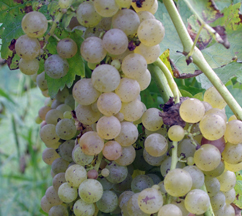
x=222, y=4
x=238, y=189
x=149, y=99
x=184, y=11
x=185, y=93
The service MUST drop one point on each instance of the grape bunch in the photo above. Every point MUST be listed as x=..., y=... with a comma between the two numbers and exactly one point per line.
x=109, y=154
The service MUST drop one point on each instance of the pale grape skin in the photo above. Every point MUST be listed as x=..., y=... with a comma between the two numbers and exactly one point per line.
x=154, y=161
x=65, y=150
x=170, y=209
x=212, y=185
x=58, y=180
x=151, y=119
x=124, y=197
x=218, y=201
x=29, y=67
x=43, y=111
x=112, y=150
x=233, y=132
x=66, y=129
x=66, y=48
x=59, y=165
x=67, y=193
x=232, y=153
x=141, y=182
x=53, y=116
x=197, y=176
x=79, y=157
x=49, y=155
x=123, y=3
x=217, y=171
x=108, y=202
x=58, y=210
x=143, y=15
x=230, y=196
x=133, y=207
x=146, y=5
x=117, y=173
x=227, y=181
x=82, y=208
x=176, y=133
x=41, y=81
x=106, y=8
x=75, y=175
x=144, y=81
x=52, y=196
x=65, y=4
x=127, y=157
x=48, y=135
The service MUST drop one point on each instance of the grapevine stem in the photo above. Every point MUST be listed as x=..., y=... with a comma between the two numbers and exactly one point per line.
x=161, y=82
x=169, y=78
x=98, y=162
x=174, y=158
x=199, y=59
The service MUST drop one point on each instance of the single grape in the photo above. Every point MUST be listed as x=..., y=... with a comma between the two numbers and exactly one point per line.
x=58, y=180
x=67, y=193
x=127, y=157
x=151, y=119
x=48, y=135
x=154, y=7
x=45, y=204
x=117, y=173
x=49, y=155
x=43, y=111
x=170, y=209
x=230, y=196
x=53, y=116
x=52, y=196
x=66, y=129
x=65, y=108
x=106, y=8
x=65, y=150
x=144, y=81
x=144, y=15
x=232, y=153
x=217, y=171
x=141, y=182
x=227, y=181
x=233, y=167
x=233, y=132
x=186, y=148
x=108, y=202
x=82, y=208
x=144, y=6
x=124, y=197
x=41, y=81
x=154, y=161
x=217, y=111
x=213, y=97
x=75, y=175
x=176, y=133
x=79, y=157
x=29, y=67
x=197, y=176
x=65, y=3
x=112, y=150
x=66, y=48
x=218, y=201
x=59, y=165
x=58, y=210
x=212, y=185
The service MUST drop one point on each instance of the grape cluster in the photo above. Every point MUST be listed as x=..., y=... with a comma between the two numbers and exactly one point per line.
x=101, y=163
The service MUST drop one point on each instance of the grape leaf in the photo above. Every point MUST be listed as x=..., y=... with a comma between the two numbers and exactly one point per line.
x=164, y=57
x=184, y=11
x=238, y=189
x=149, y=99
x=222, y=4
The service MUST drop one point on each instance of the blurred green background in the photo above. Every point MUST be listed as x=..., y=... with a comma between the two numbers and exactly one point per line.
x=24, y=177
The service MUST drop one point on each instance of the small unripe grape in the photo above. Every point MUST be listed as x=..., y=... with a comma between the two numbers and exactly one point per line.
x=176, y=133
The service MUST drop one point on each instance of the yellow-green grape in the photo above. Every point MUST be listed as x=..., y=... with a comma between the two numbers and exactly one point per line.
x=144, y=81
x=197, y=176
x=112, y=150
x=146, y=5
x=178, y=182
x=207, y=157
x=232, y=153
x=108, y=202
x=176, y=133
x=150, y=53
x=87, y=15
x=227, y=181
x=65, y=3
x=218, y=201
x=108, y=127
x=131, y=207
x=67, y=193
x=67, y=115
x=186, y=148
x=197, y=201
x=92, y=66
x=82, y=208
x=59, y=165
x=92, y=50
x=226, y=210
x=105, y=172
x=212, y=126
x=150, y=200
x=154, y=7
x=190, y=161
x=156, y=145
x=144, y=15
x=66, y=48
x=233, y=132
x=151, y=119
x=41, y=81
x=233, y=117
x=34, y=24
x=66, y=129
x=53, y=116
x=106, y=8
x=170, y=209
x=91, y=143
x=123, y=3
x=128, y=90
x=48, y=135
x=58, y=180
x=217, y=171
x=213, y=97
x=29, y=67
x=151, y=32
x=38, y=120
x=116, y=63
x=230, y=196
x=212, y=185
x=166, y=165
x=58, y=210
x=27, y=48
x=127, y=157
x=127, y=21
x=192, y=110
x=75, y=175
x=217, y=111
x=84, y=92
x=233, y=167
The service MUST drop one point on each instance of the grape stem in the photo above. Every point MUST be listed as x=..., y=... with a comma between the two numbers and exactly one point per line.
x=98, y=162
x=161, y=82
x=170, y=80
x=174, y=158
x=199, y=60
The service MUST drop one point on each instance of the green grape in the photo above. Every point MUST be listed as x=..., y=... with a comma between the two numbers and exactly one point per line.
x=134, y=66
x=84, y=92
x=218, y=201
x=192, y=110
x=92, y=66
x=154, y=161
x=186, y=148
x=105, y=78
x=41, y=81
x=151, y=119
x=233, y=132
x=233, y=167
x=207, y=158
x=116, y=63
x=127, y=21
x=227, y=181
x=55, y=104
x=65, y=150
x=144, y=15
x=86, y=115
x=141, y=182
x=53, y=116
x=66, y=48
x=108, y=202
x=212, y=185
x=56, y=67
x=91, y=143
x=52, y=196
x=90, y=190
x=181, y=205
x=128, y=90
x=45, y=204
x=133, y=207
x=59, y=165
x=65, y=3
x=66, y=129
x=217, y=171
x=64, y=108
x=145, y=6
x=87, y=15
x=156, y=145
x=233, y=117
x=29, y=67
x=112, y=150
x=127, y=157
x=38, y=120
x=226, y=210
x=197, y=201
x=80, y=158
x=115, y=41
x=117, y=173
x=108, y=127
x=144, y=81
x=213, y=97
x=230, y=196
x=27, y=48
x=166, y=165
x=67, y=193
x=232, y=153
x=128, y=134
x=82, y=208
x=176, y=133
x=151, y=32
x=150, y=53
x=58, y=180
x=106, y=8
x=217, y=111
x=124, y=197
x=34, y=24
x=197, y=176
x=109, y=103
x=170, y=209
x=43, y=111
x=123, y=3
x=178, y=182
x=49, y=155
x=48, y=135
x=58, y=210
x=75, y=175
x=92, y=50
x=150, y=200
